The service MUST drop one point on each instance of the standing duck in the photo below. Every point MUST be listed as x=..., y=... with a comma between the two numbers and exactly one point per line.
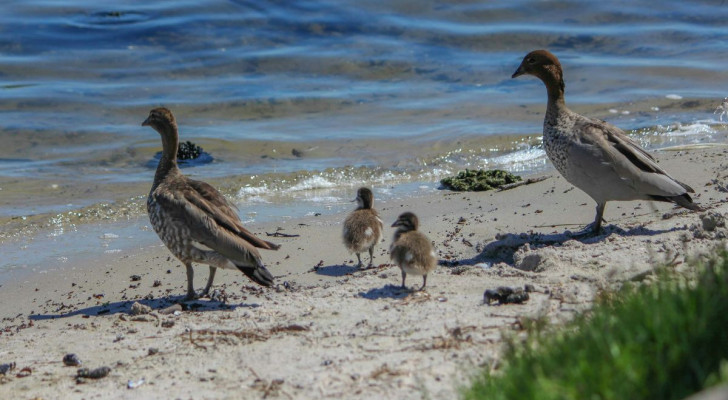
x=595, y=156
x=412, y=250
x=195, y=221
x=363, y=228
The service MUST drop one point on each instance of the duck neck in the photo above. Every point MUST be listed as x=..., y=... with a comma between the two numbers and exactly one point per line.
x=555, y=89
x=170, y=144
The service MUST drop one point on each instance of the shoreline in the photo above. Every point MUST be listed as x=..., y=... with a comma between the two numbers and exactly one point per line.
x=328, y=329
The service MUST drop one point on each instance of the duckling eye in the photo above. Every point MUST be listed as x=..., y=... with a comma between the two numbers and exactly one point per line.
x=531, y=60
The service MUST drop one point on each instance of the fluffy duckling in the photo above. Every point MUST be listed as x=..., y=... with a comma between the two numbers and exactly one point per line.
x=195, y=221
x=412, y=250
x=363, y=228
x=595, y=156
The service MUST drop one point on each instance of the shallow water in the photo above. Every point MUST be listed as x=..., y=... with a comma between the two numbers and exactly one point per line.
x=295, y=98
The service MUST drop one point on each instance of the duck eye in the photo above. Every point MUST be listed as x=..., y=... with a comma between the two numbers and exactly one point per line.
x=531, y=60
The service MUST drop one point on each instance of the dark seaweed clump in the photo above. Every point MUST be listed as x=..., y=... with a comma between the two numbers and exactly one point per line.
x=472, y=180
x=188, y=151
x=188, y=155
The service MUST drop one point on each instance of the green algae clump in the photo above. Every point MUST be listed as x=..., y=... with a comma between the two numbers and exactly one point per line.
x=472, y=180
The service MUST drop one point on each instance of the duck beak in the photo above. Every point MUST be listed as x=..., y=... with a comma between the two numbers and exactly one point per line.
x=395, y=224
x=520, y=71
x=147, y=121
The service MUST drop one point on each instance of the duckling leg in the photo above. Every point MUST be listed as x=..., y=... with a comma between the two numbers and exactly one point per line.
x=190, y=287
x=404, y=275
x=358, y=257
x=210, y=278
x=371, y=256
x=424, y=282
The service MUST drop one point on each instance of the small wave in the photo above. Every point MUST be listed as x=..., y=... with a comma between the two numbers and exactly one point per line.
x=253, y=191
x=520, y=156
x=324, y=199
x=696, y=128
x=102, y=19
x=314, y=182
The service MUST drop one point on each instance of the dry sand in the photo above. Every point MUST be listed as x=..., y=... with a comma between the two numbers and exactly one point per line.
x=329, y=330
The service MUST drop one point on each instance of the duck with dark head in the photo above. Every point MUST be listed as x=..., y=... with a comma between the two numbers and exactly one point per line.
x=596, y=156
x=195, y=221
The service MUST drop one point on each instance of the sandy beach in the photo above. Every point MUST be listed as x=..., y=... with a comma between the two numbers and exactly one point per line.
x=330, y=330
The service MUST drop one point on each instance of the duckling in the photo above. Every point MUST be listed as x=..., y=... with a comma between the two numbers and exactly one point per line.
x=363, y=228
x=412, y=250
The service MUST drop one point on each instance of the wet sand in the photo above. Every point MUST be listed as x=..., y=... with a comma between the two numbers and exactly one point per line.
x=329, y=330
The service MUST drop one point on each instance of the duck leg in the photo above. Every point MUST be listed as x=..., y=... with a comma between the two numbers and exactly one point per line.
x=358, y=257
x=594, y=227
x=599, y=217
x=371, y=256
x=404, y=275
x=210, y=278
x=190, y=287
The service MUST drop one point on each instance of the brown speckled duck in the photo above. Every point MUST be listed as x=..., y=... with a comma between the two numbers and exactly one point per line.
x=411, y=249
x=195, y=221
x=363, y=228
x=595, y=156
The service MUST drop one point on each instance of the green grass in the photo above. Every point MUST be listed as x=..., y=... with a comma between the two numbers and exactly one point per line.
x=665, y=340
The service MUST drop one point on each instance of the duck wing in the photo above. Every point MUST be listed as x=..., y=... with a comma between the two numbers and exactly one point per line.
x=210, y=201
x=608, y=147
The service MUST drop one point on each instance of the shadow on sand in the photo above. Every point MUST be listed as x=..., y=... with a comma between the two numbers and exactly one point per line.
x=337, y=270
x=503, y=248
x=387, y=292
x=124, y=307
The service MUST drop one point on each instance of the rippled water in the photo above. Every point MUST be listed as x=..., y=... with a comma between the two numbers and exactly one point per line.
x=292, y=96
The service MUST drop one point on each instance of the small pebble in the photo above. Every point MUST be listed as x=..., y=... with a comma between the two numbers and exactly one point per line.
x=139, y=309
x=135, y=278
x=71, y=360
x=505, y=295
x=97, y=373
x=134, y=385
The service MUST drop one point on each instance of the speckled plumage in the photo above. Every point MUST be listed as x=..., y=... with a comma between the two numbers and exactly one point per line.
x=194, y=220
x=595, y=156
x=411, y=250
x=362, y=227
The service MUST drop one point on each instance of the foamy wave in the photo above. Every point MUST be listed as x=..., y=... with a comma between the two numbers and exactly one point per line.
x=314, y=182
x=519, y=156
x=257, y=199
x=252, y=191
x=324, y=199
x=697, y=128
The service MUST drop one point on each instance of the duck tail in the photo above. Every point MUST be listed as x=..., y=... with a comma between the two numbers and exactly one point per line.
x=258, y=274
x=683, y=200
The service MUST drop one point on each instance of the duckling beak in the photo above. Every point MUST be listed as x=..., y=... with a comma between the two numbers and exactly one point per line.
x=395, y=224
x=147, y=121
x=520, y=71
